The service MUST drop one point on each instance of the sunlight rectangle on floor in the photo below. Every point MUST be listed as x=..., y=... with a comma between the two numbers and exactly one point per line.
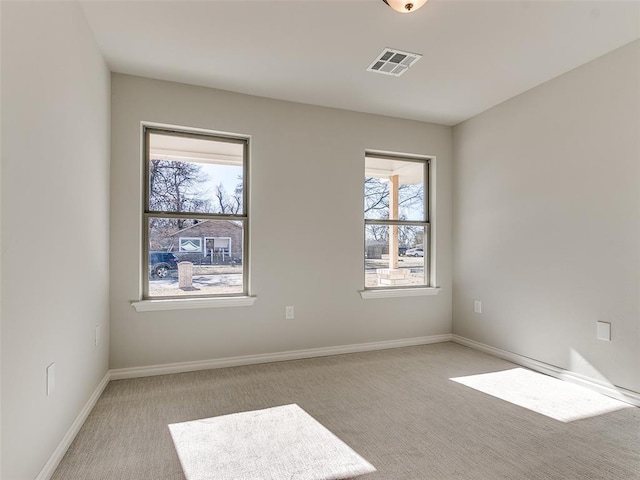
x=540, y=393
x=270, y=444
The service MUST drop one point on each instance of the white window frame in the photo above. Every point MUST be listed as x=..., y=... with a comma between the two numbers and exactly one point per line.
x=428, y=288
x=200, y=301
x=214, y=239
x=180, y=239
x=204, y=249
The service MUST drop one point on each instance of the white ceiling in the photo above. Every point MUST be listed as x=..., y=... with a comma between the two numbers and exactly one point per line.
x=476, y=53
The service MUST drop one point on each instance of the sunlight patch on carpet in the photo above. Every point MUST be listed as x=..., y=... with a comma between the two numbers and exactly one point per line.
x=272, y=444
x=546, y=395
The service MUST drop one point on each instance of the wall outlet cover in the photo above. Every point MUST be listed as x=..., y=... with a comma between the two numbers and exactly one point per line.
x=603, y=331
x=477, y=306
x=288, y=313
x=51, y=379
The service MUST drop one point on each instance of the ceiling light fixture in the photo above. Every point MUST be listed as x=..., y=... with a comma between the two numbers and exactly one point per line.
x=405, y=6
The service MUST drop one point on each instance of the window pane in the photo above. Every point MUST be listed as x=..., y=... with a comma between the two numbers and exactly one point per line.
x=391, y=182
x=403, y=265
x=211, y=249
x=199, y=175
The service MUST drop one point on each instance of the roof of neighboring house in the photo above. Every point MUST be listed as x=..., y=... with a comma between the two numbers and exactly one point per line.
x=199, y=224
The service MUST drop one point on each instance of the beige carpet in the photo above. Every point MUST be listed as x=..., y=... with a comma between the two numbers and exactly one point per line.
x=397, y=408
x=276, y=443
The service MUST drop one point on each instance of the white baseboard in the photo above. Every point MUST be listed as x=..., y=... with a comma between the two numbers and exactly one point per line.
x=56, y=457
x=135, y=372
x=609, y=390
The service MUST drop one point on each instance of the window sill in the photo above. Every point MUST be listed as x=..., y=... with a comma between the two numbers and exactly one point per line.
x=191, y=303
x=399, y=292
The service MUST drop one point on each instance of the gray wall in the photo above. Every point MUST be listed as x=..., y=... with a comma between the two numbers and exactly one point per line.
x=55, y=199
x=547, y=221
x=307, y=169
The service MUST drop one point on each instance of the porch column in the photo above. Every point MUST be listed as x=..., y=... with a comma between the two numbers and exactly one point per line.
x=393, y=215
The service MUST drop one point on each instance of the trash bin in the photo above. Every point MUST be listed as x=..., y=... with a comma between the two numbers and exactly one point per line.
x=185, y=275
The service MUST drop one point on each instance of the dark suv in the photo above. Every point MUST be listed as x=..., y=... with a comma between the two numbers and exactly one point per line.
x=161, y=262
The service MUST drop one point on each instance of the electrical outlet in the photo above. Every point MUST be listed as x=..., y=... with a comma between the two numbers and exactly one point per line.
x=288, y=313
x=97, y=339
x=603, y=331
x=477, y=306
x=51, y=379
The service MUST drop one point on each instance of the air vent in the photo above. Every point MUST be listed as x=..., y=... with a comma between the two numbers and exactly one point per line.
x=393, y=62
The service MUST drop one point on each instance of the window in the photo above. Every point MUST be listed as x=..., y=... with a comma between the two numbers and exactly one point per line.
x=396, y=213
x=195, y=218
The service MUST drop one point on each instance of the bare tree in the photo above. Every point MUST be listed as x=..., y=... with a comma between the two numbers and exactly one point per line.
x=408, y=235
x=376, y=206
x=229, y=203
x=376, y=198
x=174, y=187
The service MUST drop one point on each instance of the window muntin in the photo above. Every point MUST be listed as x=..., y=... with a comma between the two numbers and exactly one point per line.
x=196, y=209
x=396, y=221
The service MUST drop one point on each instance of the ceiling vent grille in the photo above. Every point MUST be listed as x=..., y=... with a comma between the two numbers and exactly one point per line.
x=393, y=62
